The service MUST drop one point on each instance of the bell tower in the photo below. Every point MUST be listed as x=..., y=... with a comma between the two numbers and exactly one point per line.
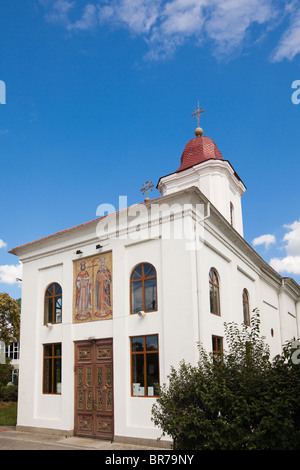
x=202, y=165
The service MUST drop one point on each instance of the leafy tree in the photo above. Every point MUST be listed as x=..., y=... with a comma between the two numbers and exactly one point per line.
x=9, y=319
x=238, y=400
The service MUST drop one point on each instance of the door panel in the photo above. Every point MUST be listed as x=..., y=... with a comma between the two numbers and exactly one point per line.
x=103, y=399
x=83, y=388
x=94, y=389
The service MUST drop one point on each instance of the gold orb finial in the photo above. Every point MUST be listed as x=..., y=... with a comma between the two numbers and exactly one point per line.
x=198, y=132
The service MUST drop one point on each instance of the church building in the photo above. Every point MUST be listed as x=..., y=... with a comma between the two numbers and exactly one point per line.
x=110, y=305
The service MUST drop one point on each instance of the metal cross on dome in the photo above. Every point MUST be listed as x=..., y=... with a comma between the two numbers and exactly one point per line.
x=197, y=113
x=146, y=188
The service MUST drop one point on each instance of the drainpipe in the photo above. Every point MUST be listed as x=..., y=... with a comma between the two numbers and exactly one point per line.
x=281, y=304
x=298, y=317
x=197, y=277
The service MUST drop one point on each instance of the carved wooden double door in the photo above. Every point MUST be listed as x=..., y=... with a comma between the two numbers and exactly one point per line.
x=94, y=404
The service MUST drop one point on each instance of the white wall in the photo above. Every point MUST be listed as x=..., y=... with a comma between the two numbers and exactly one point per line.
x=217, y=181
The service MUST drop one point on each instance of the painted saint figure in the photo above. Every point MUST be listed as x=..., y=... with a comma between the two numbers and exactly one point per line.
x=103, y=291
x=83, y=294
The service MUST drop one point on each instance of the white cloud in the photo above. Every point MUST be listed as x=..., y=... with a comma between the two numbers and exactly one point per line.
x=2, y=244
x=89, y=19
x=265, y=240
x=224, y=22
x=289, y=45
x=137, y=15
x=293, y=238
x=10, y=272
x=177, y=21
x=183, y=17
x=291, y=262
x=167, y=24
x=58, y=10
x=230, y=21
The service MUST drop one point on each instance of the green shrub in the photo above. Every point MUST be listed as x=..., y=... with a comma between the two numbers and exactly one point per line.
x=9, y=393
x=5, y=372
x=237, y=401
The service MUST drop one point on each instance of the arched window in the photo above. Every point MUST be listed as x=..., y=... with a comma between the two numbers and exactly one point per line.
x=53, y=304
x=214, y=292
x=246, y=307
x=143, y=296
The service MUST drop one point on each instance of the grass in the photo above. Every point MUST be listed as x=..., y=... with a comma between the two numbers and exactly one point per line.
x=8, y=413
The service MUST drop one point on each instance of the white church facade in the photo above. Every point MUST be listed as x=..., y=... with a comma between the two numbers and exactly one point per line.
x=110, y=305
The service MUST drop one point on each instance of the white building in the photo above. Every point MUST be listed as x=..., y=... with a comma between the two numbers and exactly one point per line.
x=108, y=306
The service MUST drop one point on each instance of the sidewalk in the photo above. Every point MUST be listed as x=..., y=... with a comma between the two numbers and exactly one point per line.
x=10, y=439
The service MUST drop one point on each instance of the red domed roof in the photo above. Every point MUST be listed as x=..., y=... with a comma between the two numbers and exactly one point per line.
x=198, y=150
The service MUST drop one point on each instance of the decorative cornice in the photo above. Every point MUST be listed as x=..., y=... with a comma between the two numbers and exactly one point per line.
x=204, y=168
x=222, y=167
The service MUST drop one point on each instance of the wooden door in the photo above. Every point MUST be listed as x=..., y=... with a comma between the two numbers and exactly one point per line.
x=94, y=405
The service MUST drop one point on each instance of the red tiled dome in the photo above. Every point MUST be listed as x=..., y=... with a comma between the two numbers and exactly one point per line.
x=199, y=150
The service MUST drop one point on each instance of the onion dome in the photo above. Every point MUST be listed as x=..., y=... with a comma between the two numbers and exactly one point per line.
x=198, y=150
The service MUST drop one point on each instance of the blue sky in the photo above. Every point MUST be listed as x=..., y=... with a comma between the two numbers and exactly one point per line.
x=99, y=96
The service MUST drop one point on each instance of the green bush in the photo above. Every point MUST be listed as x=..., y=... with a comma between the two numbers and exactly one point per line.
x=9, y=393
x=240, y=400
x=5, y=372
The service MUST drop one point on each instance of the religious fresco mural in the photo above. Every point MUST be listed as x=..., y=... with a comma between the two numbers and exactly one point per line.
x=92, y=285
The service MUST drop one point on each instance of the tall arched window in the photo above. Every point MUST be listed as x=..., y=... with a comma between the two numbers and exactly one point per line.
x=214, y=292
x=246, y=307
x=53, y=304
x=143, y=295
